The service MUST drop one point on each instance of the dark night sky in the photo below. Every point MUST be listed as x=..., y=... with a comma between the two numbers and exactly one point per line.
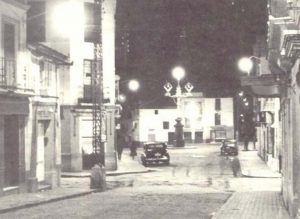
x=206, y=37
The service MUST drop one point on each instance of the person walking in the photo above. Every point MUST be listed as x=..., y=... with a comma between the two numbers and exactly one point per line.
x=120, y=145
x=246, y=141
x=133, y=148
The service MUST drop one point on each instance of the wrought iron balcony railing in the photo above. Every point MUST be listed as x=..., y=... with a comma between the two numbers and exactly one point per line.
x=7, y=73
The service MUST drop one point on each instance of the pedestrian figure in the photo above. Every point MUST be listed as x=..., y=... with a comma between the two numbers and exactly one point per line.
x=246, y=142
x=133, y=147
x=236, y=166
x=120, y=145
x=254, y=139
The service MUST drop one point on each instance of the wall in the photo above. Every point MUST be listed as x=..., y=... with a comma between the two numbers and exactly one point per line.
x=152, y=124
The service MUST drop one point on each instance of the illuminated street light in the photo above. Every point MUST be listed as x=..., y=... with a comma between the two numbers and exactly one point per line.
x=133, y=85
x=245, y=64
x=122, y=98
x=178, y=73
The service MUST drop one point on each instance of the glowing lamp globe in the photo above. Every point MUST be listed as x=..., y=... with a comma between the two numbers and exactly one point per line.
x=133, y=85
x=245, y=64
x=178, y=73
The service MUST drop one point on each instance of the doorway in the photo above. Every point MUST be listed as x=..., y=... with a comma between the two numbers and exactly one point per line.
x=42, y=142
x=11, y=150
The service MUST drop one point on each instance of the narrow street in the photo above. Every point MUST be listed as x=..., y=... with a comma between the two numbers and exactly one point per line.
x=195, y=185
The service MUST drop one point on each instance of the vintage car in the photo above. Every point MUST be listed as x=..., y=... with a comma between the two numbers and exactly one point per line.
x=229, y=147
x=155, y=152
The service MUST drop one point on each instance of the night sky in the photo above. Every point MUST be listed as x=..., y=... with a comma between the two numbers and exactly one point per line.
x=206, y=37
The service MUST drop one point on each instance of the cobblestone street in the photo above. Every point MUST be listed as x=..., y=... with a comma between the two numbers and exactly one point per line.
x=197, y=184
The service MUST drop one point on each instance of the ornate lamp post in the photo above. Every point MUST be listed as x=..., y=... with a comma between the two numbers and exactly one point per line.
x=178, y=73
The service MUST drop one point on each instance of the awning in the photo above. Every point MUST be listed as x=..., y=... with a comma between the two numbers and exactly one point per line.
x=265, y=91
x=14, y=105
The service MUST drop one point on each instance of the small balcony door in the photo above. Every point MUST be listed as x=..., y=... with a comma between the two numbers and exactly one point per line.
x=9, y=49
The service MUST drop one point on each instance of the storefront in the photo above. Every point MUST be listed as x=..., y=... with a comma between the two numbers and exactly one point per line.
x=14, y=112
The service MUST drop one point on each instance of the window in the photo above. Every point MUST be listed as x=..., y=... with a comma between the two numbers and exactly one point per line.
x=187, y=122
x=46, y=70
x=87, y=71
x=166, y=125
x=9, y=50
x=156, y=112
x=36, y=22
x=87, y=79
x=218, y=104
x=217, y=119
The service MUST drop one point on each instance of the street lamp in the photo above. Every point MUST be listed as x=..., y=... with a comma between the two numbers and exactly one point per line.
x=178, y=73
x=245, y=64
x=133, y=85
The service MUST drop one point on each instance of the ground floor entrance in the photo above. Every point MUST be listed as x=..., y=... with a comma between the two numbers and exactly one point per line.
x=11, y=150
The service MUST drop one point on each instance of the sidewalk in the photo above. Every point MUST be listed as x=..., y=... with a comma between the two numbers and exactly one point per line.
x=125, y=166
x=249, y=205
x=253, y=166
x=72, y=185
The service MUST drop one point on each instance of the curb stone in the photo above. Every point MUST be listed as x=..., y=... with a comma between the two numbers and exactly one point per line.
x=5, y=210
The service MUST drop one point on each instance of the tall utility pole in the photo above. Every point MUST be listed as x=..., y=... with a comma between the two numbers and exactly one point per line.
x=97, y=85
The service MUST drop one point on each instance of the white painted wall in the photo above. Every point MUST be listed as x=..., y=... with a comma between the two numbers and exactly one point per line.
x=149, y=123
x=108, y=45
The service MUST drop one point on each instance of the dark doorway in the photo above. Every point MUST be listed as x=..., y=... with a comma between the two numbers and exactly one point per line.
x=11, y=150
x=171, y=137
x=198, y=137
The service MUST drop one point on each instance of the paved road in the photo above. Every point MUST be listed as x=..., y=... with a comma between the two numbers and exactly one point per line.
x=195, y=185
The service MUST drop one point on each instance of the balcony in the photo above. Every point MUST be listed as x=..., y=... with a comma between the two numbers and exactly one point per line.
x=8, y=73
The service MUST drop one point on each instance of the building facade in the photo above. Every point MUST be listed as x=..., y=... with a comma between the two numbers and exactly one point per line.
x=278, y=101
x=29, y=108
x=70, y=27
x=204, y=120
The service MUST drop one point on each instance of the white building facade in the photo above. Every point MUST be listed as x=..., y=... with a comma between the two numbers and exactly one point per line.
x=70, y=28
x=204, y=120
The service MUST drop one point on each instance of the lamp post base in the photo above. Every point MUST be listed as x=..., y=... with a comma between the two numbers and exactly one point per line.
x=179, y=142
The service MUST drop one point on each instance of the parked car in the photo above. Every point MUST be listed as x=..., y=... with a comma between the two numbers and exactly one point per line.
x=229, y=147
x=155, y=152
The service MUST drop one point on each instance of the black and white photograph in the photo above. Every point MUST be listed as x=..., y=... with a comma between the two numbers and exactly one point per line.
x=150, y=109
